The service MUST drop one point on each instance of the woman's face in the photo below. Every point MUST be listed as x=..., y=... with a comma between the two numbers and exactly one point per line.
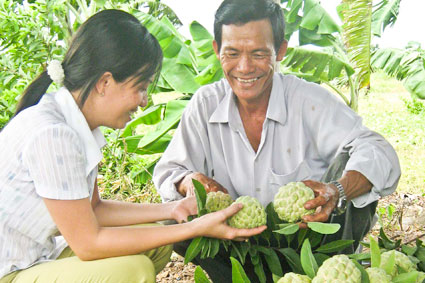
x=117, y=101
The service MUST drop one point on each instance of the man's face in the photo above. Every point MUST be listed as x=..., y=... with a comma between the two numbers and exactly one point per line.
x=248, y=58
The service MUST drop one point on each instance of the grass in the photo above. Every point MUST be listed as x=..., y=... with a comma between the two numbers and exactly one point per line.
x=388, y=109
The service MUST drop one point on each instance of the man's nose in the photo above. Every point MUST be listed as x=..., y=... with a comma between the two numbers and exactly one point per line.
x=245, y=64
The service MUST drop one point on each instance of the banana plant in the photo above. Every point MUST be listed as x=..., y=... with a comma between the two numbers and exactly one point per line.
x=342, y=54
x=407, y=65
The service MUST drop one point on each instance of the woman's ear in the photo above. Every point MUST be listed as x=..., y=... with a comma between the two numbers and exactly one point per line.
x=102, y=84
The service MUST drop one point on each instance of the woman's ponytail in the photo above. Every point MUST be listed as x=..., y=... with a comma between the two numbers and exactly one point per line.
x=34, y=92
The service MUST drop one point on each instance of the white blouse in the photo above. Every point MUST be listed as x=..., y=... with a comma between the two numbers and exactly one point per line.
x=47, y=151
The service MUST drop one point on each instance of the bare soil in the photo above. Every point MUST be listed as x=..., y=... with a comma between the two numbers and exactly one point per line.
x=401, y=215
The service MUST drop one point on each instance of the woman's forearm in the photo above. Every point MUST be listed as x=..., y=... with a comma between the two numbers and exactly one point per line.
x=116, y=213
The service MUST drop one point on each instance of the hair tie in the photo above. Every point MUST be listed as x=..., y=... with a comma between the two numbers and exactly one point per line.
x=55, y=71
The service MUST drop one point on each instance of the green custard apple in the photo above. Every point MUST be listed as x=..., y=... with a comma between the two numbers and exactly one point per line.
x=251, y=215
x=402, y=262
x=217, y=201
x=338, y=269
x=290, y=199
x=421, y=277
x=292, y=277
x=378, y=275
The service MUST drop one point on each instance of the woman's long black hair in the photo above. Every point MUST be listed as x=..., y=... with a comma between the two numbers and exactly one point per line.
x=109, y=41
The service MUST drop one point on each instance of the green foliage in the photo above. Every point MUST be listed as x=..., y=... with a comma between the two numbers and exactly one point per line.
x=200, y=276
x=30, y=36
x=406, y=65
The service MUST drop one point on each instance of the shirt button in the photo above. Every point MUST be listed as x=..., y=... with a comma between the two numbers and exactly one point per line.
x=258, y=189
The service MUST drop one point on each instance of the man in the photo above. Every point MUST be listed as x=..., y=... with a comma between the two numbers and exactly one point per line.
x=257, y=130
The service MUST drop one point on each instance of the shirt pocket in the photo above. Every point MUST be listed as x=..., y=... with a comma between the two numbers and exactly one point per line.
x=300, y=173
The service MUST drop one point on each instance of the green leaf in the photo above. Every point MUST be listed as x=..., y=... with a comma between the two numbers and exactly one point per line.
x=365, y=276
x=308, y=262
x=258, y=268
x=320, y=258
x=200, y=276
x=238, y=274
x=180, y=77
x=387, y=243
x=194, y=248
x=201, y=196
x=287, y=228
x=357, y=38
x=334, y=246
x=273, y=263
x=316, y=18
x=384, y=14
x=315, y=65
x=173, y=112
x=150, y=116
x=272, y=221
x=215, y=247
x=293, y=259
x=324, y=228
x=362, y=256
x=375, y=253
x=409, y=277
x=390, y=264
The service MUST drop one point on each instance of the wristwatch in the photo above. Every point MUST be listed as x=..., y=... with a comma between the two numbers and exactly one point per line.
x=341, y=205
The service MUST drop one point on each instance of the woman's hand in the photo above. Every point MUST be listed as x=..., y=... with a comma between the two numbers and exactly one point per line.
x=215, y=225
x=184, y=208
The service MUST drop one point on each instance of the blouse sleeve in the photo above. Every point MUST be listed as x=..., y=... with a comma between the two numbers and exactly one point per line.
x=55, y=161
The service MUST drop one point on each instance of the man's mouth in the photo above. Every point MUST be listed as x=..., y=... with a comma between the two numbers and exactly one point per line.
x=248, y=80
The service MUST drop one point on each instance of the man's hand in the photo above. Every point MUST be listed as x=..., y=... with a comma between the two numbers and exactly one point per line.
x=185, y=186
x=184, y=208
x=326, y=199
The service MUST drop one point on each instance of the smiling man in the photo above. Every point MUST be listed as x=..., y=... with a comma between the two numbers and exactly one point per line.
x=256, y=130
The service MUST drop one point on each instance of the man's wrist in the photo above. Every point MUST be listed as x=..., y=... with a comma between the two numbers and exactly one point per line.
x=341, y=205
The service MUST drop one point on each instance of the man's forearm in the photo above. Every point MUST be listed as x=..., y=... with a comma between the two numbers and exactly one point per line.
x=355, y=184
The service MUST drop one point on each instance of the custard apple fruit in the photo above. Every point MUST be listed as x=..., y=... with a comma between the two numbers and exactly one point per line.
x=292, y=277
x=402, y=262
x=251, y=215
x=217, y=201
x=289, y=201
x=378, y=275
x=421, y=277
x=338, y=269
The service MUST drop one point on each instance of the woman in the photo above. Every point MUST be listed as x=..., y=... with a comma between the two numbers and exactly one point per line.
x=50, y=151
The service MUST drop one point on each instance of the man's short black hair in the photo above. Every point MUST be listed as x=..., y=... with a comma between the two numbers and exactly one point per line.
x=240, y=12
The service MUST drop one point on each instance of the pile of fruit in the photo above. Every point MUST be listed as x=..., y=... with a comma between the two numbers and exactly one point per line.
x=387, y=261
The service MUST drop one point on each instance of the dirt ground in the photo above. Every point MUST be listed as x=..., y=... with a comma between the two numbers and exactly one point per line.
x=402, y=216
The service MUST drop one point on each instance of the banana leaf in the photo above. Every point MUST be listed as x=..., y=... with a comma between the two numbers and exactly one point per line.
x=385, y=14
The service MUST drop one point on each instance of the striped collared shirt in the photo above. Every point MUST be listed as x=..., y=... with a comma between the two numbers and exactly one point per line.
x=47, y=151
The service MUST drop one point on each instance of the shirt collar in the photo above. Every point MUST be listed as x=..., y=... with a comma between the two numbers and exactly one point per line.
x=227, y=111
x=277, y=109
x=93, y=141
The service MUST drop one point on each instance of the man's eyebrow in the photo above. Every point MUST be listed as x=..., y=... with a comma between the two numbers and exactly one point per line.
x=227, y=48
x=261, y=50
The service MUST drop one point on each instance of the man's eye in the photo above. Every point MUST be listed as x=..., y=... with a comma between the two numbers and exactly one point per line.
x=259, y=56
x=232, y=55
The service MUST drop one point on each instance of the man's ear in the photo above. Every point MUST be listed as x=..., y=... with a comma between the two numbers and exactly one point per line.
x=104, y=81
x=217, y=52
x=282, y=50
